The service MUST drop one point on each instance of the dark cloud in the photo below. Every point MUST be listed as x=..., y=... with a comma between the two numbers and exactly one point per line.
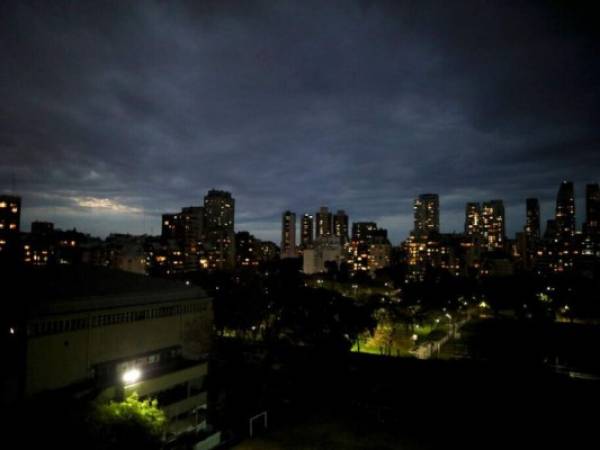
x=139, y=107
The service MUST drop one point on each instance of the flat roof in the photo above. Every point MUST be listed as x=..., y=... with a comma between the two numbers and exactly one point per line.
x=72, y=289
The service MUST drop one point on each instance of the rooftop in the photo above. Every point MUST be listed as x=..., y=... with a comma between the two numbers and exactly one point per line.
x=73, y=289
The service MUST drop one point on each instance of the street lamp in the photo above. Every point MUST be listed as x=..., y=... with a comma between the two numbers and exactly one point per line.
x=131, y=376
x=450, y=327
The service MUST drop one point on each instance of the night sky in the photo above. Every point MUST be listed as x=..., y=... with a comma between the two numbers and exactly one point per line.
x=112, y=113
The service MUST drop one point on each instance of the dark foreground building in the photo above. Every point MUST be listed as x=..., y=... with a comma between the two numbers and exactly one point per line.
x=102, y=334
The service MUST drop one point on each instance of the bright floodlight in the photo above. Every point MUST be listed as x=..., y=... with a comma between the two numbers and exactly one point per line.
x=131, y=376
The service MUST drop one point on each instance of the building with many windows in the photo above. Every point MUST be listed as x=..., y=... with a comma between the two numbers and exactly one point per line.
x=219, y=236
x=592, y=209
x=565, y=210
x=10, y=222
x=99, y=334
x=473, y=221
x=369, y=248
x=427, y=215
x=340, y=226
x=247, y=250
x=532, y=221
x=493, y=225
x=288, y=235
x=323, y=223
x=306, y=231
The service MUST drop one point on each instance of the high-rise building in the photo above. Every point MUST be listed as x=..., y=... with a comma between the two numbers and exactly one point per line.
x=551, y=229
x=288, y=235
x=219, y=242
x=473, y=220
x=247, y=249
x=340, y=226
x=10, y=214
x=493, y=224
x=532, y=223
x=192, y=221
x=323, y=223
x=219, y=209
x=10, y=221
x=366, y=243
x=565, y=209
x=363, y=231
x=192, y=224
x=306, y=232
x=181, y=234
x=427, y=215
x=171, y=227
x=39, y=245
x=524, y=247
x=592, y=208
x=380, y=251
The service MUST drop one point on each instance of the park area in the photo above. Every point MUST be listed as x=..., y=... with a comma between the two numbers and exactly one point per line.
x=377, y=402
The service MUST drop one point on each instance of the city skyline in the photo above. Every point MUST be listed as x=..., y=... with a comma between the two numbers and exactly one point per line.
x=580, y=217
x=360, y=106
x=255, y=224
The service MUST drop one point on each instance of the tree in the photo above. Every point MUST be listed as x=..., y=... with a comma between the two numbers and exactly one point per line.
x=128, y=424
x=320, y=318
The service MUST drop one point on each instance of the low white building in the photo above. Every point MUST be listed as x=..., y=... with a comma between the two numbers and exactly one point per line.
x=325, y=249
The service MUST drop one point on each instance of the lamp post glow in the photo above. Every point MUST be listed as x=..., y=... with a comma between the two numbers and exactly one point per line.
x=131, y=376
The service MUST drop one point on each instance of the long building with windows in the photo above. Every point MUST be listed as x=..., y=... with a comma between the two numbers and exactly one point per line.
x=99, y=334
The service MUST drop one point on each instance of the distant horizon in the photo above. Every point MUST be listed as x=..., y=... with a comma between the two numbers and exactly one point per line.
x=152, y=220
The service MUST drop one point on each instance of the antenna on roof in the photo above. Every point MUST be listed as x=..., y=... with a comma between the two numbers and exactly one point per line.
x=13, y=182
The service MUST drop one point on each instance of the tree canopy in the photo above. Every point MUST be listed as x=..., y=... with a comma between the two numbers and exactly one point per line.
x=131, y=423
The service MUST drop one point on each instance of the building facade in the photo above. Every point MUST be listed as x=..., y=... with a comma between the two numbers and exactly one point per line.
x=427, y=215
x=306, y=231
x=323, y=223
x=247, y=249
x=340, y=226
x=288, y=235
x=10, y=223
x=473, y=221
x=327, y=249
x=532, y=222
x=493, y=230
x=219, y=242
x=592, y=209
x=91, y=339
x=565, y=210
